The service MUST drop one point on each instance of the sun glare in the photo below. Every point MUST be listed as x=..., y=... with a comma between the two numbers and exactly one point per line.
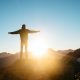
x=37, y=46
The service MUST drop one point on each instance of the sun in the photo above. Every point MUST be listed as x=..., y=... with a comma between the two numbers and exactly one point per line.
x=37, y=46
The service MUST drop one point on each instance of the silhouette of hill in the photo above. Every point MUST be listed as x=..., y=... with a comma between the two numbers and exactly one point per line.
x=72, y=64
x=4, y=54
x=65, y=51
x=7, y=59
x=75, y=54
x=55, y=66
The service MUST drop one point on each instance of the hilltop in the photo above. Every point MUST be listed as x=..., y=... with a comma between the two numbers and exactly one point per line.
x=55, y=66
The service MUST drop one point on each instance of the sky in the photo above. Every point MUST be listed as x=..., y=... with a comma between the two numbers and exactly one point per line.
x=58, y=21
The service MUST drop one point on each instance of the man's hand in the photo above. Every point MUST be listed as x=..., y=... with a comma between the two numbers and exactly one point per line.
x=9, y=32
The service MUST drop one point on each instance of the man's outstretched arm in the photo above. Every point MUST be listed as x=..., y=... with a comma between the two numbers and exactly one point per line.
x=33, y=31
x=14, y=32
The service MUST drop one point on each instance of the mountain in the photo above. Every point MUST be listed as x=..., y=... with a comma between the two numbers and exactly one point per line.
x=65, y=51
x=75, y=54
x=57, y=65
x=4, y=54
x=6, y=59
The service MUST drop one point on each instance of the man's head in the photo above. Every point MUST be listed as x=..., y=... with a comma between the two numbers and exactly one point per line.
x=23, y=26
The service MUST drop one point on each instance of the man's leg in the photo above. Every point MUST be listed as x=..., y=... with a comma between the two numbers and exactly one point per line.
x=21, y=52
x=26, y=50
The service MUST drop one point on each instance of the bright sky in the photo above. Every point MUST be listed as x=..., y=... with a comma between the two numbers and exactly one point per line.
x=58, y=20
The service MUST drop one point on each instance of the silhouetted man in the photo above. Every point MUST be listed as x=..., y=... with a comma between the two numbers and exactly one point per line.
x=24, y=38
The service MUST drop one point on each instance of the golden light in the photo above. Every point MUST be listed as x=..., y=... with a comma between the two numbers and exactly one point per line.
x=42, y=60
x=37, y=46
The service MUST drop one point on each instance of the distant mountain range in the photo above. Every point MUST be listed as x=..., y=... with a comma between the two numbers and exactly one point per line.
x=8, y=58
x=65, y=51
x=11, y=68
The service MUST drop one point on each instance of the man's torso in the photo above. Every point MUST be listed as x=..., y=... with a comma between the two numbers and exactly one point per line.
x=24, y=35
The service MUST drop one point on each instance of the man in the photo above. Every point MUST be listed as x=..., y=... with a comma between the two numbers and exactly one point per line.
x=24, y=37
